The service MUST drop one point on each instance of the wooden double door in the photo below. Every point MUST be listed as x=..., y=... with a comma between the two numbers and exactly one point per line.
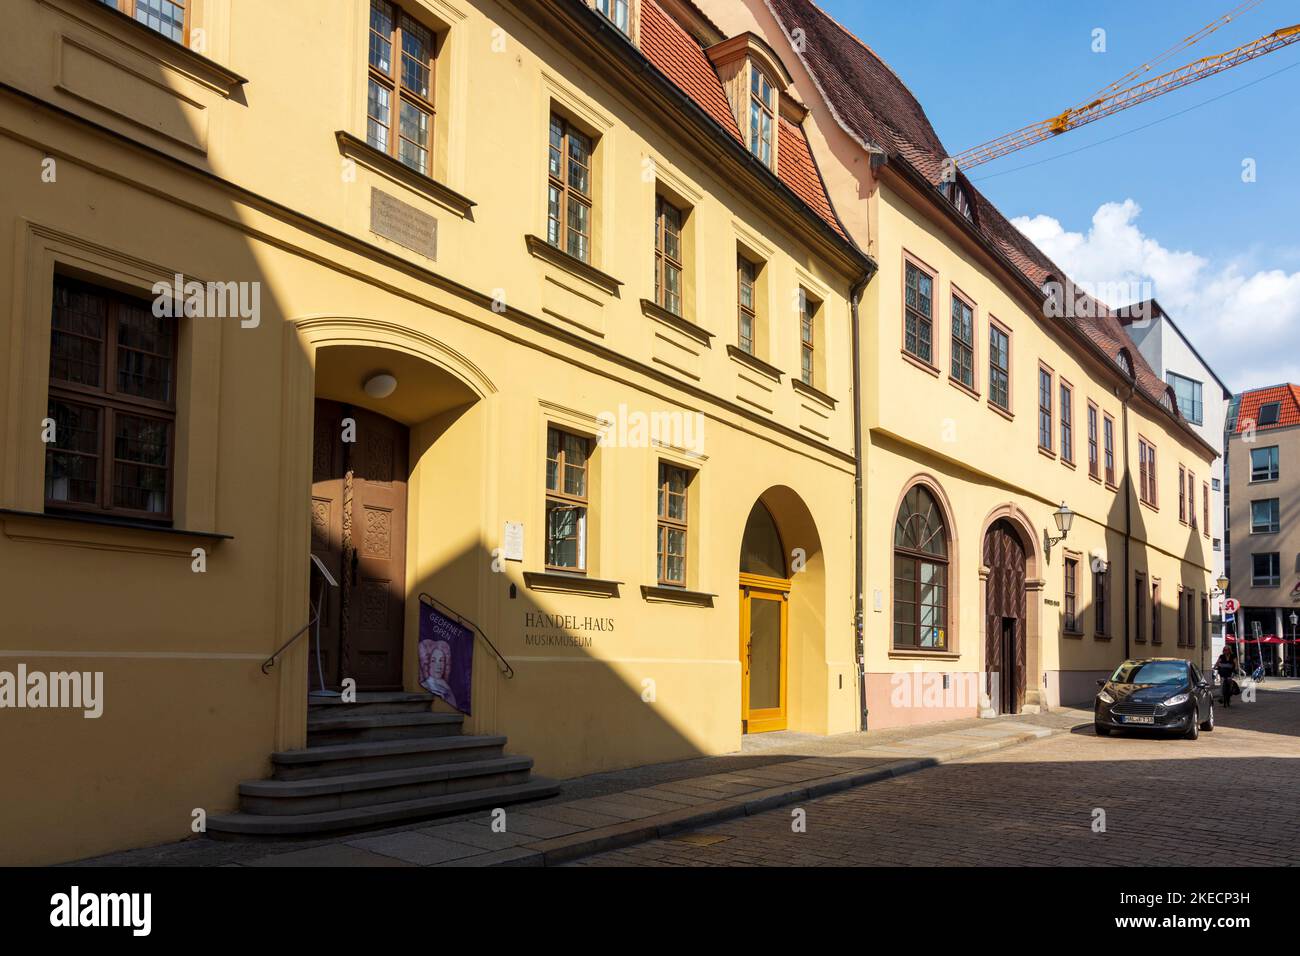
x=358, y=530
x=1005, y=609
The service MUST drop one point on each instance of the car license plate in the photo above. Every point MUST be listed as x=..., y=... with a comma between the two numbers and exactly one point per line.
x=1139, y=720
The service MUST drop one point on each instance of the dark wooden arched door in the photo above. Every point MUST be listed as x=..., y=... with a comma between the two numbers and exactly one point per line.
x=1005, y=607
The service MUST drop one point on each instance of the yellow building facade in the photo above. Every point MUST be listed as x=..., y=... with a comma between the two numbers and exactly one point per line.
x=1001, y=393
x=575, y=446
x=545, y=315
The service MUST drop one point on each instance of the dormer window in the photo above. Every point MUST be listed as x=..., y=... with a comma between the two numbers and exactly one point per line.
x=757, y=86
x=618, y=12
x=1125, y=363
x=762, y=115
x=956, y=195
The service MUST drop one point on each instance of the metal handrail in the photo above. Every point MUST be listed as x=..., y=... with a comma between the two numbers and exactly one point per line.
x=326, y=579
x=270, y=661
x=429, y=599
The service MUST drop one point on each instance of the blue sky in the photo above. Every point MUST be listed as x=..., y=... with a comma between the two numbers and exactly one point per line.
x=1164, y=205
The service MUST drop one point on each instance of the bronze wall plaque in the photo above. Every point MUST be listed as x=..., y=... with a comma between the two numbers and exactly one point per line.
x=403, y=223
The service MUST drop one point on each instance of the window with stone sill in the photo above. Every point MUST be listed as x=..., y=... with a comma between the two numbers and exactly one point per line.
x=567, y=500
x=809, y=309
x=921, y=564
x=1045, y=381
x=1182, y=494
x=1092, y=440
x=671, y=531
x=399, y=101
x=1147, y=472
x=963, y=342
x=171, y=18
x=1067, y=423
x=1070, y=616
x=569, y=189
x=668, y=256
x=918, y=313
x=1108, y=448
x=999, y=367
x=112, y=399
x=747, y=299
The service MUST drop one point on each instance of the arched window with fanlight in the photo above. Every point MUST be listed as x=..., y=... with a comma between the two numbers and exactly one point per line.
x=921, y=574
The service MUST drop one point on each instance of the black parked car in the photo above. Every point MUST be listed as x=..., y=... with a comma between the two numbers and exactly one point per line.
x=1159, y=693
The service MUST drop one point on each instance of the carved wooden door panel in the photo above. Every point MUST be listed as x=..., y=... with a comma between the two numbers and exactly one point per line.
x=1005, y=611
x=377, y=575
x=359, y=531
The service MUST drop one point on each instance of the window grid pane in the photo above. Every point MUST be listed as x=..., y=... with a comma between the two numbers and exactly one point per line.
x=112, y=395
x=999, y=368
x=1044, y=409
x=918, y=313
x=963, y=343
x=1067, y=424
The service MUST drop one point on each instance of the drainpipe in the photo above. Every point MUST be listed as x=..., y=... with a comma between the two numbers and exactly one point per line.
x=859, y=613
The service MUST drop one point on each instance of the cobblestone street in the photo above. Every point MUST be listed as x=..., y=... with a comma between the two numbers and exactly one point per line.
x=1165, y=802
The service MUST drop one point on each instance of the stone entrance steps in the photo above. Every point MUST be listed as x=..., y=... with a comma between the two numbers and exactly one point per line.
x=382, y=760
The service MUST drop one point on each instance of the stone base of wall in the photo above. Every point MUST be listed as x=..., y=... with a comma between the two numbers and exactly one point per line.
x=906, y=698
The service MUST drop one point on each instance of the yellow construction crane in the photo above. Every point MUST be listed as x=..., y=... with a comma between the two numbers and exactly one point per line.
x=1117, y=96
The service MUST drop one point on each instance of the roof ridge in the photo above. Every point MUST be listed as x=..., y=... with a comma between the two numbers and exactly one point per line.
x=876, y=56
x=1290, y=386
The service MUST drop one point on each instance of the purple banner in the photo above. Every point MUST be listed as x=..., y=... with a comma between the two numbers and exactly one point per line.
x=446, y=657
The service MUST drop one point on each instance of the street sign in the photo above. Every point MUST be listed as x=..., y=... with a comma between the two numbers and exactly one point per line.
x=1231, y=606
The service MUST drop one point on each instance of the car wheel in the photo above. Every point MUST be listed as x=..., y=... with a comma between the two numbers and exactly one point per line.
x=1193, y=729
x=1100, y=730
x=1209, y=724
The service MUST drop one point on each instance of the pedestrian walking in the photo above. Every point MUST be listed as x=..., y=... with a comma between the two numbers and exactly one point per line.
x=1226, y=667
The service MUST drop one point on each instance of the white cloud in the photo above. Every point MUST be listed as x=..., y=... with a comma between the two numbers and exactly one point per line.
x=1244, y=321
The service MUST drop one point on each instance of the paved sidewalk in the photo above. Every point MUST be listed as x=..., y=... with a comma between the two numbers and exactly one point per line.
x=606, y=811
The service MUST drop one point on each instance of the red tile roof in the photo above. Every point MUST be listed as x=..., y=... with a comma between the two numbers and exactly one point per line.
x=796, y=168
x=876, y=108
x=681, y=58
x=1288, y=396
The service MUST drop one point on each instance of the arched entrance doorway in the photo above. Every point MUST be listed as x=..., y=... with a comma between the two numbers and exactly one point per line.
x=381, y=546
x=1005, y=601
x=764, y=625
